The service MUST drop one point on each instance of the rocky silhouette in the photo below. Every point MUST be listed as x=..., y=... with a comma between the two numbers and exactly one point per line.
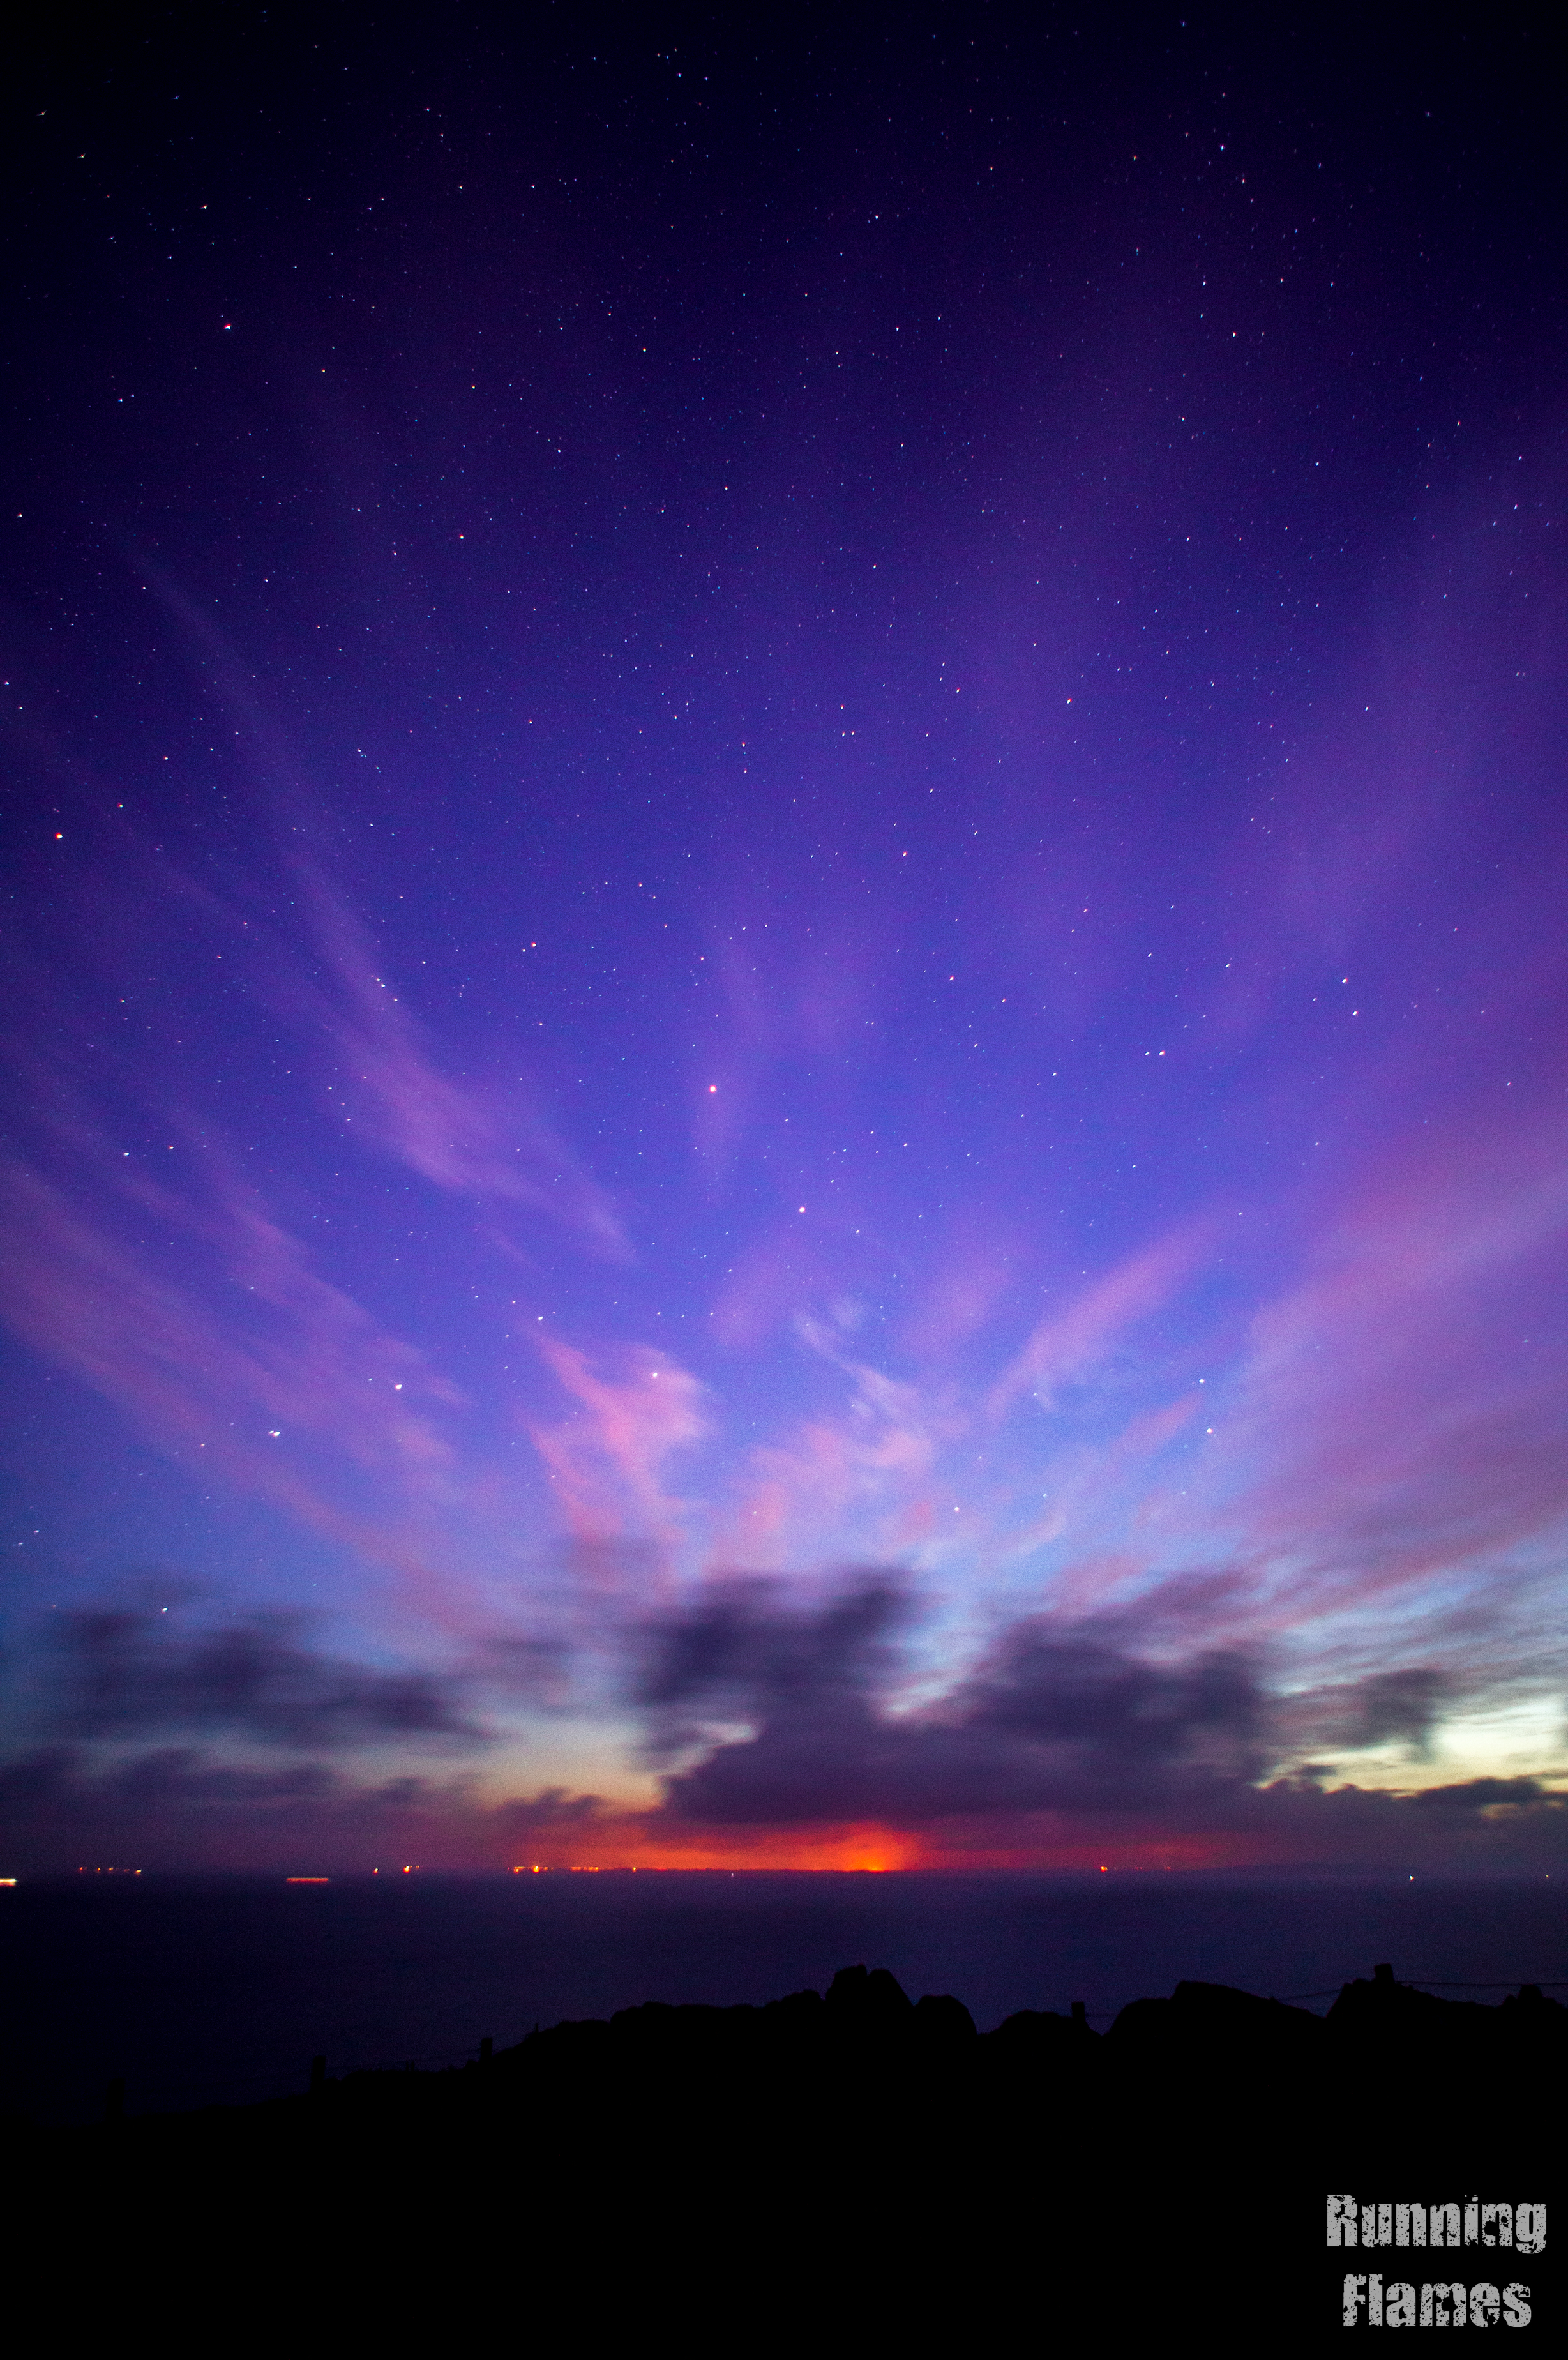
x=853, y=2168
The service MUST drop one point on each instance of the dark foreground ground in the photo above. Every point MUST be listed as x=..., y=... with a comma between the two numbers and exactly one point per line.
x=847, y=2172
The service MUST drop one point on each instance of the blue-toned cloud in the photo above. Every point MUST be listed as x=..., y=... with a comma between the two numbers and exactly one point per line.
x=129, y=1672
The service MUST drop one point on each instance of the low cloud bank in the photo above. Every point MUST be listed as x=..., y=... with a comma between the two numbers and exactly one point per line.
x=131, y=1671
x=177, y=1809
x=1052, y=1720
x=776, y=1721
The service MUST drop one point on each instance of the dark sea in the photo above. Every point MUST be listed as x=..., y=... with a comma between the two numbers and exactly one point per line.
x=197, y=1992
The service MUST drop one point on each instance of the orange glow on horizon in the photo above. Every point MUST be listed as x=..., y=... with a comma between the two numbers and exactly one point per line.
x=866, y=1851
x=630, y=1843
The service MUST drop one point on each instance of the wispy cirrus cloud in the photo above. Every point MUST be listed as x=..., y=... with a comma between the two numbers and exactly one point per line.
x=242, y=1351
x=637, y=1408
x=473, y=1140
x=952, y=1466
x=1382, y=1431
x=1399, y=1414
x=1073, y=1341
x=1380, y=1437
x=379, y=1067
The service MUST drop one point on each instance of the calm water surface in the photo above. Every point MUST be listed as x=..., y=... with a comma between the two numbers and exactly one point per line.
x=196, y=1991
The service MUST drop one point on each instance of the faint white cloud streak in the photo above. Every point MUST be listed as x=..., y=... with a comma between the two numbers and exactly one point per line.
x=491, y=1143
x=279, y=1381
x=1401, y=1409
x=1068, y=1343
x=472, y=1140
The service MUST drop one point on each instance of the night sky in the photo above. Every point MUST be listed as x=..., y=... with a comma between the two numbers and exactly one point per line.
x=785, y=891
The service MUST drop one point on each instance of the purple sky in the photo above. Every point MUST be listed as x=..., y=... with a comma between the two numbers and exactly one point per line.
x=786, y=878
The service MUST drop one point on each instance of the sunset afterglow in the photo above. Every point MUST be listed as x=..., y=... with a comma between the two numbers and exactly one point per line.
x=785, y=1008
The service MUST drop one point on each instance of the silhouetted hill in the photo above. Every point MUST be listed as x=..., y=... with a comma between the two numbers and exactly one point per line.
x=846, y=2166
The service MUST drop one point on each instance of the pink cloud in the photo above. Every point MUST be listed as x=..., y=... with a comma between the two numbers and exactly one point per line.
x=1070, y=1341
x=1400, y=1415
x=856, y=1480
x=636, y=1408
x=469, y=1140
x=798, y=1262
x=490, y=1144
x=980, y=1267
x=766, y=1283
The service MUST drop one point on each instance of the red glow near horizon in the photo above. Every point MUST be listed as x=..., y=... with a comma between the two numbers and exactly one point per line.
x=875, y=1851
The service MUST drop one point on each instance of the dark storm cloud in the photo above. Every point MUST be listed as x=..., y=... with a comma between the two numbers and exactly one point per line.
x=1053, y=1718
x=130, y=1670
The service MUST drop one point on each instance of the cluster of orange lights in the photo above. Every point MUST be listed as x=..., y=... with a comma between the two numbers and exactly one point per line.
x=534, y=1868
x=541, y=1868
x=411, y=1868
x=865, y=1865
